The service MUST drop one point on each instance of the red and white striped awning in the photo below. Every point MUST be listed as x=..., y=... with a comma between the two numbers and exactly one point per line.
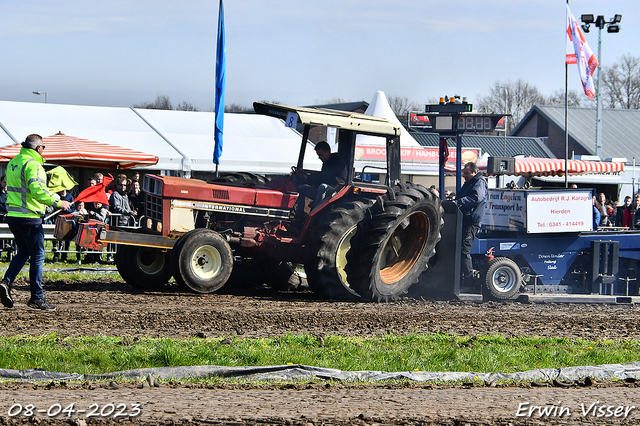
x=532, y=166
x=72, y=151
x=556, y=167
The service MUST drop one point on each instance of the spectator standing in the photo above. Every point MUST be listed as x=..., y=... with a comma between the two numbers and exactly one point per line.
x=471, y=200
x=136, y=198
x=119, y=204
x=596, y=213
x=601, y=203
x=26, y=200
x=623, y=216
x=99, y=177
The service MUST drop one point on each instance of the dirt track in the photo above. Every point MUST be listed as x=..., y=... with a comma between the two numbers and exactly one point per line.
x=109, y=307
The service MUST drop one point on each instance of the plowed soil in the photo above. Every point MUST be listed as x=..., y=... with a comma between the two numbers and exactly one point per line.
x=110, y=307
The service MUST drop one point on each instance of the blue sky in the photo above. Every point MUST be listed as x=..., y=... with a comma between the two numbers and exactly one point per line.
x=121, y=52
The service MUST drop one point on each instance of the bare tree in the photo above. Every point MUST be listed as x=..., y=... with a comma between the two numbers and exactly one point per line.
x=402, y=106
x=237, y=108
x=622, y=83
x=161, y=102
x=515, y=98
x=186, y=106
x=574, y=99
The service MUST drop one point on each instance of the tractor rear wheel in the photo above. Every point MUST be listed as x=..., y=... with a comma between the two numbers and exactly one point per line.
x=501, y=278
x=327, y=247
x=391, y=250
x=202, y=260
x=241, y=178
x=143, y=267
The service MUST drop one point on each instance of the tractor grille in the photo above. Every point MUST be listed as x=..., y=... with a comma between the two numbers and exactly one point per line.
x=221, y=194
x=154, y=207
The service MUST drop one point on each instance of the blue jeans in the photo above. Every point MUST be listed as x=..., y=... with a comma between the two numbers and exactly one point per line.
x=309, y=191
x=30, y=242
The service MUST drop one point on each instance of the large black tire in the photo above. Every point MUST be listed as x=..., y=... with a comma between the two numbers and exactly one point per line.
x=392, y=248
x=143, y=267
x=122, y=260
x=501, y=279
x=241, y=178
x=327, y=246
x=202, y=261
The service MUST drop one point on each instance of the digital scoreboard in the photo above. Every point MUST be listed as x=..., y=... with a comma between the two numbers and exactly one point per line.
x=456, y=118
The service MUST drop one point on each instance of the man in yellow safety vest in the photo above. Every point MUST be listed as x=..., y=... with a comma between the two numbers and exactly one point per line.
x=27, y=197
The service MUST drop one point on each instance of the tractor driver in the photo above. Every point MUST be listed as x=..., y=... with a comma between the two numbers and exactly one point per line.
x=316, y=185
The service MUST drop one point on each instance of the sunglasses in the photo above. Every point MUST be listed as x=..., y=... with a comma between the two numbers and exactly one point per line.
x=40, y=146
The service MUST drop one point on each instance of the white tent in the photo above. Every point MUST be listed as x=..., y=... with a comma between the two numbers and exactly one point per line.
x=114, y=126
x=379, y=107
x=251, y=143
x=182, y=140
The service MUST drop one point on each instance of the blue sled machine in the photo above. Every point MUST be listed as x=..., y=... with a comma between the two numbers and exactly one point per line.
x=540, y=245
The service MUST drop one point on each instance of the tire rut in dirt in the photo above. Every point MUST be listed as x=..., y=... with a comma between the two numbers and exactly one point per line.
x=328, y=243
x=391, y=249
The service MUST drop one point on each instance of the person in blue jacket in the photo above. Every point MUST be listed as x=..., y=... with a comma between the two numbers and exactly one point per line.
x=471, y=200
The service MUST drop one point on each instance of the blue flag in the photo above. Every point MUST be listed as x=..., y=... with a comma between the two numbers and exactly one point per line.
x=221, y=79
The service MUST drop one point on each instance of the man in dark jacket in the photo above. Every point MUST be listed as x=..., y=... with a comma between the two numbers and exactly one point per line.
x=120, y=206
x=316, y=184
x=471, y=200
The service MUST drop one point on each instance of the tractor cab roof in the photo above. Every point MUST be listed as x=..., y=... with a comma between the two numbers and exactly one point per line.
x=359, y=123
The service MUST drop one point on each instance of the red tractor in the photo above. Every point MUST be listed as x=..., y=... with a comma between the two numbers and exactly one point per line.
x=364, y=240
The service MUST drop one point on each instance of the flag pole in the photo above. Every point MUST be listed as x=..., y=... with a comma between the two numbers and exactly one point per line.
x=221, y=72
x=566, y=121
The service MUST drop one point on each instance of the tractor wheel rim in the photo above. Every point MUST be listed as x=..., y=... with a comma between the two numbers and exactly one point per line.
x=344, y=245
x=404, y=247
x=150, y=261
x=504, y=279
x=206, y=262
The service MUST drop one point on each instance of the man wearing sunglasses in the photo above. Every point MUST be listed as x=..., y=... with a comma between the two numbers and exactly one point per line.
x=27, y=197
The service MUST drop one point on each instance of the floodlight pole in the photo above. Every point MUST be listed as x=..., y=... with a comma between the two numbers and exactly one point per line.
x=612, y=27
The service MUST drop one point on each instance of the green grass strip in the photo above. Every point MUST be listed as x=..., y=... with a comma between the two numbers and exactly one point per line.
x=416, y=352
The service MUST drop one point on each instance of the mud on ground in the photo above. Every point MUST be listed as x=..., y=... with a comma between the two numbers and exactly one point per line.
x=110, y=307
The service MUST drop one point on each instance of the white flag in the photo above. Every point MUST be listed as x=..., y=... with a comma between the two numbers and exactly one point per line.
x=581, y=54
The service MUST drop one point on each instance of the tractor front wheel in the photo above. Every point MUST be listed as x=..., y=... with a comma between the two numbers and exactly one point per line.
x=202, y=260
